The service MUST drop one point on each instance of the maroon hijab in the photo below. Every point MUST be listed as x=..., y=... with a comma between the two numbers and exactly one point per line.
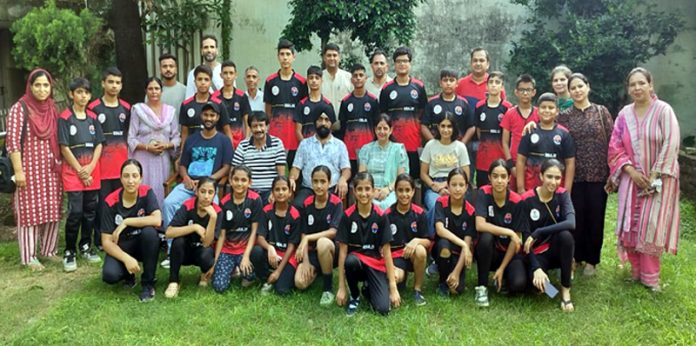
x=43, y=116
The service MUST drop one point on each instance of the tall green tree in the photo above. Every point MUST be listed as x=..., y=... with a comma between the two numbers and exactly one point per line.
x=603, y=39
x=375, y=23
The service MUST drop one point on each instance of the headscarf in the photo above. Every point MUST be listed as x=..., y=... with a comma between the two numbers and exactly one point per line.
x=43, y=115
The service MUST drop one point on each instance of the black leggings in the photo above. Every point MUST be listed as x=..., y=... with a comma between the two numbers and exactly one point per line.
x=82, y=211
x=445, y=266
x=559, y=255
x=414, y=165
x=377, y=285
x=185, y=252
x=590, y=202
x=144, y=248
x=286, y=280
x=489, y=259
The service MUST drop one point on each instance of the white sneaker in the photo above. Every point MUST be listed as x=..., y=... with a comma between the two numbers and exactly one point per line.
x=266, y=289
x=327, y=298
x=69, y=262
x=481, y=297
x=165, y=264
x=172, y=290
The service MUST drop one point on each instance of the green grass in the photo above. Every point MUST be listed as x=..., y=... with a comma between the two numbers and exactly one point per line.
x=57, y=308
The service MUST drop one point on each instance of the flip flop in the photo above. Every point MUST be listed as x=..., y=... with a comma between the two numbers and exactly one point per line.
x=567, y=306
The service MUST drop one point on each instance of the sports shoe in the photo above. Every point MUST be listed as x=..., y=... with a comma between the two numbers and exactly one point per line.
x=203, y=281
x=90, y=255
x=266, y=288
x=431, y=270
x=443, y=290
x=165, y=263
x=327, y=297
x=352, y=308
x=247, y=282
x=481, y=298
x=69, y=262
x=419, y=299
x=147, y=295
x=172, y=290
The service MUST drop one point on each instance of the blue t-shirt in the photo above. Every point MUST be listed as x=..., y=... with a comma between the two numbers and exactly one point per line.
x=203, y=157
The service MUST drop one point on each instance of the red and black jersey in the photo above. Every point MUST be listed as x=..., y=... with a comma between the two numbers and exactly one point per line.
x=188, y=215
x=81, y=136
x=113, y=212
x=514, y=122
x=308, y=111
x=114, y=122
x=357, y=116
x=437, y=107
x=365, y=236
x=283, y=96
x=236, y=108
x=540, y=145
x=488, y=120
x=405, y=104
x=547, y=219
x=315, y=220
x=190, y=114
x=405, y=227
x=280, y=231
x=237, y=220
x=462, y=225
x=511, y=215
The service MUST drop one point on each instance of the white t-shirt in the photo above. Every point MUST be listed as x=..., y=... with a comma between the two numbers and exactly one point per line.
x=444, y=158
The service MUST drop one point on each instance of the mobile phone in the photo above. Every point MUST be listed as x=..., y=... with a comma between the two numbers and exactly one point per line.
x=550, y=289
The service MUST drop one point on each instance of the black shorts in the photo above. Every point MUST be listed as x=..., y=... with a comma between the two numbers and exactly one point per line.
x=314, y=259
x=404, y=264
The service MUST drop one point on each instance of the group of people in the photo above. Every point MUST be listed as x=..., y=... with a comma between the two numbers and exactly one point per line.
x=263, y=177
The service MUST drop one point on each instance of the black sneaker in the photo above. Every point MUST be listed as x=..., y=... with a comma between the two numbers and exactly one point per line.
x=69, y=263
x=129, y=282
x=148, y=294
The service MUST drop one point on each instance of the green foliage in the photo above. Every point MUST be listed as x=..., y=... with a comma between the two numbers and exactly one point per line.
x=375, y=23
x=58, y=40
x=603, y=39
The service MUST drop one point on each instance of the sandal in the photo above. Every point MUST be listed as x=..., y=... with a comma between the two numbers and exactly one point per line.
x=567, y=305
x=35, y=266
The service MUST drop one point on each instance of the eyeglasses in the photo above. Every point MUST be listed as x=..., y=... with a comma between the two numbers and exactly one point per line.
x=525, y=91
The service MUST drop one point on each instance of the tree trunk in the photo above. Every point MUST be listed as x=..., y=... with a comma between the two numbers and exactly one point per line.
x=124, y=20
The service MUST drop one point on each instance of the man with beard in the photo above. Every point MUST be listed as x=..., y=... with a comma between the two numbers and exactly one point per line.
x=209, y=54
x=262, y=153
x=173, y=92
x=321, y=149
x=380, y=67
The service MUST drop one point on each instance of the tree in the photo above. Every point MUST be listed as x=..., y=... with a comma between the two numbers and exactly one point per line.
x=124, y=20
x=376, y=23
x=603, y=39
x=58, y=40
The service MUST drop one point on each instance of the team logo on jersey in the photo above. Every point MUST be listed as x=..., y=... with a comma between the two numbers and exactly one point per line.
x=393, y=228
x=275, y=90
x=247, y=213
x=557, y=139
x=122, y=117
x=393, y=94
x=229, y=215
x=236, y=106
x=464, y=225
x=458, y=110
x=483, y=116
x=141, y=212
x=374, y=228
x=367, y=107
x=92, y=131
x=350, y=107
x=500, y=117
x=190, y=222
x=270, y=225
x=73, y=130
x=414, y=227
x=310, y=219
x=534, y=138
x=353, y=227
x=414, y=94
x=101, y=117
x=437, y=109
x=118, y=219
x=191, y=112
x=490, y=211
x=294, y=91
x=507, y=219
x=534, y=214
x=558, y=211
x=286, y=230
x=306, y=110
x=328, y=218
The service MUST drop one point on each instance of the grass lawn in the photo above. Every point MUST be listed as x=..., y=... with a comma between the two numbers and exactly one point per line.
x=57, y=308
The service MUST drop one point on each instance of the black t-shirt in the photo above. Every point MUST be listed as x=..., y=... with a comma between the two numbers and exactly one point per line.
x=364, y=235
x=462, y=225
x=283, y=96
x=545, y=219
x=113, y=212
x=405, y=104
x=437, y=107
x=511, y=215
x=540, y=145
x=237, y=220
x=188, y=215
x=114, y=122
x=81, y=136
x=308, y=112
x=405, y=227
x=280, y=231
x=316, y=220
x=236, y=108
x=190, y=114
x=487, y=121
x=357, y=116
